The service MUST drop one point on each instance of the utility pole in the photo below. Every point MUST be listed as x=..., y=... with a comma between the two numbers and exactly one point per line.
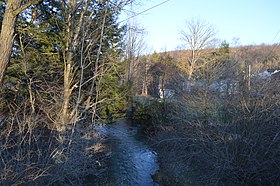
x=249, y=77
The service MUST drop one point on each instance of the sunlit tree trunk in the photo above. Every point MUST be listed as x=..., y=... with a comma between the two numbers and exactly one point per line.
x=68, y=64
x=6, y=36
x=145, y=81
x=72, y=33
x=13, y=8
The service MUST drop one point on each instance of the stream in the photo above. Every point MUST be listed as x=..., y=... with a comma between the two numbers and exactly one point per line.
x=131, y=161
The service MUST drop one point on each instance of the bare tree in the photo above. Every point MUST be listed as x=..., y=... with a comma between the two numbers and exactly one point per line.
x=135, y=46
x=79, y=32
x=73, y=30
x=198, y=35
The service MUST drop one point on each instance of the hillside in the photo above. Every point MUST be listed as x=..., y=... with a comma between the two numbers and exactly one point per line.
x=263, y=56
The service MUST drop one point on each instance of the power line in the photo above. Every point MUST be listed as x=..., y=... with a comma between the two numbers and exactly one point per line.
x=135, y=15
x=275, y=36
x=139, y=13
x=275, y=46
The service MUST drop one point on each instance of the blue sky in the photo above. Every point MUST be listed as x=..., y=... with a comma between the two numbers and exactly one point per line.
x=252, y=21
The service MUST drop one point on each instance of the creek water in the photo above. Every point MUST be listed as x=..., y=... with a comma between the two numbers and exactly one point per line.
x=131, y=161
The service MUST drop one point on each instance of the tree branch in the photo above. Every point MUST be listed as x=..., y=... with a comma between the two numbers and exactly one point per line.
x=25, y=6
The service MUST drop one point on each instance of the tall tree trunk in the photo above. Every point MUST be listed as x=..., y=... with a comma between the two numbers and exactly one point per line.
x=68, y=63
x=190, y=72
x=6, y=36
x=66, y=93
x=145, y=83
x=72, y=33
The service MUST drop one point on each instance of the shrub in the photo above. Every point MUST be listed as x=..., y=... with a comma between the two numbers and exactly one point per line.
x=151, y=113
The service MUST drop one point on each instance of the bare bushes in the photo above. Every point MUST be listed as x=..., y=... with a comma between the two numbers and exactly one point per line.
x=229, y=139
x=24, y=148
x=245, y=156
x=33, y=153
x=79, y=156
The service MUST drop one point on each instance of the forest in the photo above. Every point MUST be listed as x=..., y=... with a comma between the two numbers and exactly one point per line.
x=210, y=112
